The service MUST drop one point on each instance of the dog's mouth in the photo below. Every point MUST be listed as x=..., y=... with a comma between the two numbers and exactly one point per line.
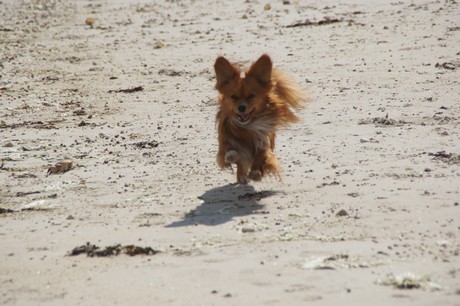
x=244, y=118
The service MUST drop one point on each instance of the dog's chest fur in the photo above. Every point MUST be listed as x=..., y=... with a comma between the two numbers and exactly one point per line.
x=252, y=137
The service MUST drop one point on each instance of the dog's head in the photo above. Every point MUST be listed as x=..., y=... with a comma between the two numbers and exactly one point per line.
x=243, y=96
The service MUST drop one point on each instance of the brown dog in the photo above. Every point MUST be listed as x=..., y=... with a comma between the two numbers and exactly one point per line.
x=251, y=109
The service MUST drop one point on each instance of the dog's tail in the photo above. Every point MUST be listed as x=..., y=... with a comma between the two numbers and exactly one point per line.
x=288, y=90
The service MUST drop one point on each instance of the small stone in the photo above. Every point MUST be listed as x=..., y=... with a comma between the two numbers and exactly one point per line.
x=159, y=44
x=90, y=21
x=248, y=229
x=342, y=213
x=371, y=140
x=60, y=167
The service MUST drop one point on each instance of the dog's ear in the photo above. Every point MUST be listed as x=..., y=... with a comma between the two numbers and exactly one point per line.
x=261, y=70
x=225, y=72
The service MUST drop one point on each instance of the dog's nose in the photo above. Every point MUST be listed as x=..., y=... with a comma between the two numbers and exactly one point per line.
x=241, y=108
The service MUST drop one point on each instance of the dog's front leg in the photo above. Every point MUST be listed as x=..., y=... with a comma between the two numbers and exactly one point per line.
x=257, y=170
x=265, y=163
x=232, y=157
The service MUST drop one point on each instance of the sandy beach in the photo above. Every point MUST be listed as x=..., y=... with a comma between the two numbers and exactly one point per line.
x=109, y=189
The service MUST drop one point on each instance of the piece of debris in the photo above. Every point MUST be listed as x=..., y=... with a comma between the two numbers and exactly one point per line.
x=133, y=250
x=342, y=213
x=159, y=44
x=92, y=250
x=24, y=175
x=21, y=194
x=105, y=135
x=6, y=211
x=449, y=158
x=170, y=72
x=382, y=121
x=60, y=167
x=333, y=262
x=87, y=249
x=308, y=22
x=37, y=205
x=440, y=154
x=316, y=263
x=79, y=112
x=371, y=140
x=150, y=144
x=127, y=90
x=446, y=65
x=31, y=124
x=90, y=21
x=409, y=280
x=333, y=183
x=248, y=229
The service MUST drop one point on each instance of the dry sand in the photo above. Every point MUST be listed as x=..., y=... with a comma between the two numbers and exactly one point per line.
x=367, y=212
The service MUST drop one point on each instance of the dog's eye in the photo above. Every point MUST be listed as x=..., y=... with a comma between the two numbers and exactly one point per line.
x=251, y=96
x=234, y=97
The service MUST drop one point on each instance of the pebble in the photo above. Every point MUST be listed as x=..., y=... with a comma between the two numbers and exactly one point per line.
x=248, y=229
x=342, y=213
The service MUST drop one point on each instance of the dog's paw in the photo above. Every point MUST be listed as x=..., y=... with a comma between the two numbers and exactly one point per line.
x=243, y=180
x=255, y=175
x=231, y=157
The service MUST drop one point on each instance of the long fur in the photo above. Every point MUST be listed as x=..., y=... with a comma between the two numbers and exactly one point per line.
x=247, y=138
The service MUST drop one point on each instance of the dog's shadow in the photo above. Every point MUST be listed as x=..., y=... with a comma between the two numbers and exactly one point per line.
x=222, y=204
